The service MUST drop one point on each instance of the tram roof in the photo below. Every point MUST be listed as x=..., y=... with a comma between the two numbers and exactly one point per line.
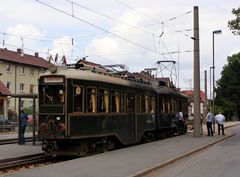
x=170, y=91
x=100, y=76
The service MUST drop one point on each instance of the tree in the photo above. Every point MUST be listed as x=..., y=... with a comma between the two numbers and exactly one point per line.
x=234, y=25
x=228, y=87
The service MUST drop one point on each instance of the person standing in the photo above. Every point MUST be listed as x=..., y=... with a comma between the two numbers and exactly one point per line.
x=209, y=120
x=23, y=123
x=220, y=121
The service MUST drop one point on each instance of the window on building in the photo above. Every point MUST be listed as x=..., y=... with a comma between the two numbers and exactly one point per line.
x=78, y=98
x=8, y=67
x=22, y=104
x=21, y=88
x=8, y=84
x=31, y=90
x=31, y=71
x=21, y=69
x=8, y=104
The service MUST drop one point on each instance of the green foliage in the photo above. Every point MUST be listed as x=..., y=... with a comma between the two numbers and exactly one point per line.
x=28, y=111
x=228, y=88
x=234, y=25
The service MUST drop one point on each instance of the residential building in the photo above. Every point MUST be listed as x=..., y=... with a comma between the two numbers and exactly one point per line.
x=19, y=72
x=190, y=93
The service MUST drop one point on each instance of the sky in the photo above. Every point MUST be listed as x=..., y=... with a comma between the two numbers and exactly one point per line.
x=136, y=33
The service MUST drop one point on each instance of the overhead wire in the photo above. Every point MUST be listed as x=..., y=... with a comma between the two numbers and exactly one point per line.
x=153, y=19
x=93, y=25
x=107, y=16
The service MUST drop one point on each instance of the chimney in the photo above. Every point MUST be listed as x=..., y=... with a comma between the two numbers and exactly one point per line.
x=36, y=54
x=19, y=50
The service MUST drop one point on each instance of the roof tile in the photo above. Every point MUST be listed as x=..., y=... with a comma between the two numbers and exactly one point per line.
x=15, y=57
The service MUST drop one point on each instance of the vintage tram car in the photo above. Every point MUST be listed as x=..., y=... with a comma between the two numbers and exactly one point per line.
x=83, y=110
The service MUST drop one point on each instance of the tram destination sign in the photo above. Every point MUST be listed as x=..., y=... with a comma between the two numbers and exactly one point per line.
x=51, y=79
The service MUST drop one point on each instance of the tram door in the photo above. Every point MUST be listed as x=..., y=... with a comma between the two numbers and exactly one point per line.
x=130, y=108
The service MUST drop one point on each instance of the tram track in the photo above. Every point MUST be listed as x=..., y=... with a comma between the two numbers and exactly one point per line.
x=12, y=163
x=14, y=140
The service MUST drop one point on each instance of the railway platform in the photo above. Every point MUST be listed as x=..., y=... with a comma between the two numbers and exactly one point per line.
x=128, y=162
x=14, y=150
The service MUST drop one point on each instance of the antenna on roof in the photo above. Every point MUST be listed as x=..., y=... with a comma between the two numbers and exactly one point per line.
x=22, y=54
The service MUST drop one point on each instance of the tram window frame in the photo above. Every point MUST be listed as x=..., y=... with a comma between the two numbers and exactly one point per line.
x=173, y=105
x=91, y=100
x=114, y=101
x=130, y=102
x=161, y=105
x=180, y=105
x=168, y=105
x=152, y=104
x=123, y=102
x=79, y=105
x=144, y=104
x=103, y=100
x=50, y=96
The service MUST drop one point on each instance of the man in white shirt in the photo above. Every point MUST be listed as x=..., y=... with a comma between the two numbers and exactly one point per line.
x=209, y=121
x=220, y=121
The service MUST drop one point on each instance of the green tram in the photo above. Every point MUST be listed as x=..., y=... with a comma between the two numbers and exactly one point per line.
x=82, y=111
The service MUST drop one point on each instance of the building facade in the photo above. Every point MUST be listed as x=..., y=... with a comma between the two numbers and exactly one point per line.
x=190, y=94
x=19, y=72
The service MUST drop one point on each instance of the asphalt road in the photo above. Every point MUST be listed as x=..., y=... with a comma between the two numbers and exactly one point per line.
x=220, y=160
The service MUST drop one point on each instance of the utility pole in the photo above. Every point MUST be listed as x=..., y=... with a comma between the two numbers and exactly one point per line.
x=206, y=101
x=196, y=125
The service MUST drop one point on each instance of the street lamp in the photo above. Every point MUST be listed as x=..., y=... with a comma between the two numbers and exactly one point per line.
x=213, y=109
x=210, y=92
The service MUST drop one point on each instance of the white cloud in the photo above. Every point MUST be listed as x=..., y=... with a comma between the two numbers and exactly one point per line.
x=23, y=34
x=44, y=21
x=62, y=46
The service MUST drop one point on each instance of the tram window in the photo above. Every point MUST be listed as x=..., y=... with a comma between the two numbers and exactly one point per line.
x=114, y=101
x=160, y=105
x=168, y=106
x=123, y=102
x=144, y=103
x=173, y=105
x=166, y=102
x=139, y=103
x=52, y=94
x=78, y=99
x=180, y=106
x=103, y=101
x=152, y=104
x=91, y=99
x=130, y=102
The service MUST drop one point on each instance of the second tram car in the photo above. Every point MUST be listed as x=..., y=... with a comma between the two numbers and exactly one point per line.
x=83, y=111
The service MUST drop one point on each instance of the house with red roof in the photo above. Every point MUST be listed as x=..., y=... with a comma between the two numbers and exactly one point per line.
x=190, y=94
x=18, y=75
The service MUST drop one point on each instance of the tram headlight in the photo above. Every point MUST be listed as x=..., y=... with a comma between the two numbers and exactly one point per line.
x=60, y=128
x=58, y=118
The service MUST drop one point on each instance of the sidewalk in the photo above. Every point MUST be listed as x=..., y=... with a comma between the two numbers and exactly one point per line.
x=13, y=135
x=132, y=161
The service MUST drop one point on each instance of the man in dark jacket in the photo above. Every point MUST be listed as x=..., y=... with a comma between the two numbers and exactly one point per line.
x=23, y=123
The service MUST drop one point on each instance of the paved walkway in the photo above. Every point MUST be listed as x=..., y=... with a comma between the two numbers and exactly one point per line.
x=128, y=161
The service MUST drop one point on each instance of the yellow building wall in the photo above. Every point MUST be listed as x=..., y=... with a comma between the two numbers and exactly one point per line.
x=15, y=78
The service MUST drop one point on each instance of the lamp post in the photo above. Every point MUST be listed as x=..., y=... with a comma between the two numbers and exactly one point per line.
x=210, y=92
x=213, y=97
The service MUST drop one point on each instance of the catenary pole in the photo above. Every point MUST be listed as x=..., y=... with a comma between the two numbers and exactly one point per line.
x=206, y=100
x=196, y=125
